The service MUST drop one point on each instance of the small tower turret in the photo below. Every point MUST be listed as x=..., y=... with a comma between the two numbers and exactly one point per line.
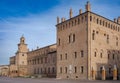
x=80, y=11
x=58, y=20
x=88, y=6
x=71, y=13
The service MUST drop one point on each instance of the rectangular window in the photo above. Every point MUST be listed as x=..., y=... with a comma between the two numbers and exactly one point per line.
x=75, y=54
x=82, y=54
x=82, y=69
x=93, y=35
x=66, y=56
x=59, y=41
x=69, y=38
x=113, y=56
x=107, y=39
x=75, y=69
x=108, y=56
x=65, y=69
x=101, y=55
x=90, y=18
x=61, y=57
x=95, y=54
x=73, y=37
x=60, y=69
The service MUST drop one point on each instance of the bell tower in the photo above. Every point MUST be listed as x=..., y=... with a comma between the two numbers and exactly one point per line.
x=22, y=47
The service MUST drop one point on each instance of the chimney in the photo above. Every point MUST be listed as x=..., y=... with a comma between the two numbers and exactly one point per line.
x=80, y=11
x=118, y=20
x=58, y=20
x=70, y=13
x=87, y=6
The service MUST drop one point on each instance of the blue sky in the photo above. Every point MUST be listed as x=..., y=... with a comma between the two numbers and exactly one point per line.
x=36, y=19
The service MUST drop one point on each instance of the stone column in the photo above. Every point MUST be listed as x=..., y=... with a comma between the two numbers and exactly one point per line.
x=103, y=73
x=115, y=73
x=93, y=74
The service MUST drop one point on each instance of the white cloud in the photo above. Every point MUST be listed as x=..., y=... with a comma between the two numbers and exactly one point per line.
x=39, y=29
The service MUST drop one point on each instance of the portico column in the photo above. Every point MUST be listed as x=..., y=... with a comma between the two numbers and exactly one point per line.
x=103, y=73
x=115, y=73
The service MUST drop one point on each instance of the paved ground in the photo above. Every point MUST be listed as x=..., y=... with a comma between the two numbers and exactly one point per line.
x=49, y=80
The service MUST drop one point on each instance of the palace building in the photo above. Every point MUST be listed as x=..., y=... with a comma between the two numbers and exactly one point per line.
x=42, y=62
x=88, y=46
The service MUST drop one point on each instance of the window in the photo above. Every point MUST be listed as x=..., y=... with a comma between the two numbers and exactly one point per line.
x=93, y=35
x=73, y=37
x=60, y=69
x=100, y=22
x=90, y=18
x=61, y=57
x=82, y=69
x=22, y=54
x=95, y=54
x=38, y=60
x=53, y=70
x=100, y=69
x=66, y=56
x=49, y=70
x=82, y=19
x=65, y=69
x=101, y=55
x=82, y=54
x=108, y=56
x=72, y=23
x=103, y=23
x=75, y=69
x=85, y=18
x=107, y=38
x=75, y=54
x=116, y=41
x=69, y=38
x=109, y=70
x=113, y=56
x=75, y=22
x=97, y=21
x=59, y=41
